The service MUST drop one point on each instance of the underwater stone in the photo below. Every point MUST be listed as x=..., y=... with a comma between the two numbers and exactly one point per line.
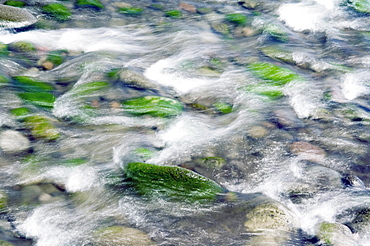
x=135, y=79
x=130, y=10
x=5, y=243
x=21, y=46
x=224, y=108
x=14, y=3
x=90, y=4
x=42, y=128
x=170, y=182
x=362, y=6
x=279, y=54
x=57, y=11
x=176, y=14
x=276, y=32
x=335, y=234
x=188, y=7
x=41, y=99
x=28, y=83
x=155, y=106
x=13, y=142
x=17, y=17
x=121, y=235
x=308, y=151
x=237, y=18
x=274, y=74
x=88, y=88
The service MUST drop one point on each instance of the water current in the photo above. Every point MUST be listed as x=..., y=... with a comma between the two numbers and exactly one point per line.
x=275, y=98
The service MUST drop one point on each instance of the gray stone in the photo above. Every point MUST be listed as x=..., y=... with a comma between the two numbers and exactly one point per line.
x=13, y=142
x=14, y=17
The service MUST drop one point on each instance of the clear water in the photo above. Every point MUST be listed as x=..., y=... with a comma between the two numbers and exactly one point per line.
x=328, y=107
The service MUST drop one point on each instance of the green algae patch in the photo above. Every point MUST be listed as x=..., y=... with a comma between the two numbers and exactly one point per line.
x=144, y=153
x=41, y=99
x=91, y=87
x=271, y=92
x=238, y=19
x=274, y=74
x=130, y=10
x=176, y=14
x=41, y=127
x=4, y=80
x=279, y=54
x=170, y=182
x=74, y=162
x=4, y=49
x=31, y=84
x=14, y=3
x=56, y=57
x=21, y=46
x=20, y=112
x=362, y=6
x=276, y=32
x=57, y=11
x=155, y=106
x=90, y=4
x=3, y=201
x=224, y=108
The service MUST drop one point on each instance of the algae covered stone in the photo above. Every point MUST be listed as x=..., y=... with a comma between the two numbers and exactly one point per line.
x=130, y=10
x=15, y=17
x=22, y=46
x=90, y=3
x=121, y=235
x=153, y=105
x=42, y=127
x=3, y=201
x=170, y=182
x=272, y=73
x=57, y=11
x=28, y=83
x=335, y=234
x=362, y=6
x=236, y=18
x=173, y=13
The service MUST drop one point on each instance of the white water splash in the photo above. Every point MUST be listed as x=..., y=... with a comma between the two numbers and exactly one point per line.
x=356, y=84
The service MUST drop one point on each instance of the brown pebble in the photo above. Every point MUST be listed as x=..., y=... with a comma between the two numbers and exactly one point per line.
x=308, y=151
x=188, y=7
x=115, y=105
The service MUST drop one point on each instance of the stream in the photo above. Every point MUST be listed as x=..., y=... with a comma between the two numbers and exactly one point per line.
x=268, y=99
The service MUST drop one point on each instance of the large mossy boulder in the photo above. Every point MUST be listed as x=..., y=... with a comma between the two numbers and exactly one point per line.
x=335, y=234
x=42, y=127
x=155, y=106
x=170, y=182
x=57, y=11
x=22, y=47
x=15, y=17
x=121, y=235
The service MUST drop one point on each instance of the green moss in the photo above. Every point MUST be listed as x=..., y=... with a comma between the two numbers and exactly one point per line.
x=276, y=32
x=144, y=153
x=42, y=128
x=223, y=108
x=4, y=49
x=4, y=80
x=153, y=105
x=15, y=3
x=3, y=201
x=74, y=162
x=130, y=10
x=274, y=74
x=21, y=46
x=272, y=93
x=5, y=243
x=88, y=88
x=170, y=182
x=28, y=83
x=90, y=3
x=173, y=13
x=56, y=57
x=41, y=99
x=211, y=162
x=57, y=11
x=20, y=112
x=362, y=6
x=238, y=19
x=113, y=73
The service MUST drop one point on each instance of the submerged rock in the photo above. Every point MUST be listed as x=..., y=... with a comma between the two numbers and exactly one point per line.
x=121, y=235
x=42, y=128
x=153, y=105
x=13, y=142
x=57, y=11
x=308, y=151
x=96, y=4
x=14, y=17
x=335, y=234
x=170, y=182
x=3, y=201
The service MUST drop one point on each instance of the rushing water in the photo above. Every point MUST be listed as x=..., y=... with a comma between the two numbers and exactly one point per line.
x=60, y=192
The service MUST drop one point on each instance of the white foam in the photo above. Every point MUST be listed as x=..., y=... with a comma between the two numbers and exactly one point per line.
x=356, y=84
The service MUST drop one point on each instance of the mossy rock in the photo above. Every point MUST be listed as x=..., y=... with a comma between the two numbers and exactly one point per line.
x=57, y=11
x=362, y=6
x=130, y=10
x=41, y=127
x=56, y=57
x=279, y=54
x=4, y=49
x=16, y=17
x=90, y=4
x=270, y=92
x=222, y=107
x=274, y=74
x=28, y=83
x=276, y=32
x=15, y=3
x=170, y=182
x=237, y=18
x=87, y=89
x=22, y=46
x=204, y=11
x=221, y=28
x=143, y=153
x=4, y=80
x=20, y=112
x=214, y=163
x=173, y=13
x=121, y=235
x=335, y=234
x=3, y=201
x=155, y=106
x=5, y=243
x=40, y=99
